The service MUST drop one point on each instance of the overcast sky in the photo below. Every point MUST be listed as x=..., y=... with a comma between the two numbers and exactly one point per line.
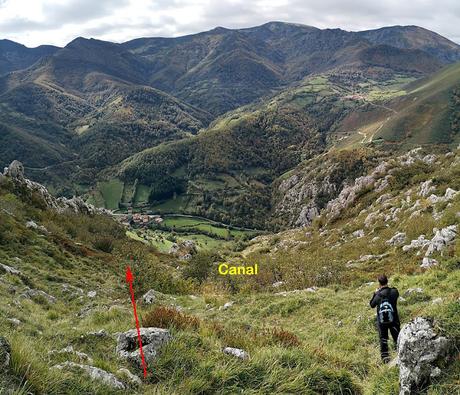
x=35, y=22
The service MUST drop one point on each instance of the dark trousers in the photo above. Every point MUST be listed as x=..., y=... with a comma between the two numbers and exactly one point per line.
x=383, y=335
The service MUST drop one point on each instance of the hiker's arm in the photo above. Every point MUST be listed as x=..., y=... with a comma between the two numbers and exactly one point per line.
x=373, y=302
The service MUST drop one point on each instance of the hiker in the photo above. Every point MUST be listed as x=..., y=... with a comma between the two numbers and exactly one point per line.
x=385, y=299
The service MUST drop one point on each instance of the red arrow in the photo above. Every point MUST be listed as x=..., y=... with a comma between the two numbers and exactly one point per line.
x=130, y=279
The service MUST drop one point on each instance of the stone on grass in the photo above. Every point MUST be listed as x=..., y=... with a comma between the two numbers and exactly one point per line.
x=9, y=270
x=132, y=378
x=398, y=238
x=152, y=340
x=428, y=262
x=420, y=349
x=236, y=352
x=36, y=293
x=96, y=374
x=149, y=297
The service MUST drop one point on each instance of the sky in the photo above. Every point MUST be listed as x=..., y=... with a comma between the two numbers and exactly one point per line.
x=35, y=22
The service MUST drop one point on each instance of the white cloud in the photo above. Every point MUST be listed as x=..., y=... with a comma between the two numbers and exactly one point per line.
x=59, y=21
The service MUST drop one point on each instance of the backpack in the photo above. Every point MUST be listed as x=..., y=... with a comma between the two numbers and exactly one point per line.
x=386, y=312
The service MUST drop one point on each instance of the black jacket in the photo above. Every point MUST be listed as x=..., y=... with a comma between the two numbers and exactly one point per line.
x=391, y=294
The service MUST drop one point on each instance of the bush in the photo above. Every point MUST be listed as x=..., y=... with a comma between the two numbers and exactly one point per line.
x=168, y=317
x=104, y=244
x=199, y=266
x=284, y=337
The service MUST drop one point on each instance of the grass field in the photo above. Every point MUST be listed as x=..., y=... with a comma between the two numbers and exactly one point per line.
x=111, y=192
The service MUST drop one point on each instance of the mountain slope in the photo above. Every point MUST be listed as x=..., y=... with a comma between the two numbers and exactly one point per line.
x=14, y=56
x=428, y=113
x=218, y=64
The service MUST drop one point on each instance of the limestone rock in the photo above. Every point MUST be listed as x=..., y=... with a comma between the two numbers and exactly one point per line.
x=132, y=378
x=9, y=270
x=34, y=293
x=95, y=373
x=420, y=242
x=428, y=262
x=358, y=233
x=441, y=239
x=398, y=238
x=152, y=340
x=236, y=352
x=149, y=297
x=14, y=170
x=419, y=349
x=70, y=350
x=426, y=188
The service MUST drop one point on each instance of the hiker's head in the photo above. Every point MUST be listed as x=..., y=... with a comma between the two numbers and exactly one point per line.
x=383, y=280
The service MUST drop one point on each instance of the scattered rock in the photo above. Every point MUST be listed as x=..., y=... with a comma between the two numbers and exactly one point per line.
x=91, y=294
x=437, y=300
x=420, y=242
x=70, y=350
x=5, y=353
x=419, y=349
x=36, y=293
x=358, y=233
x=428, y=262
x=152, y=340
x=411, y=291
x=277, y=284
x=397, y=239
x=132, y=378
x=14, y=321
x=95, y=373
x=33, y=225
x=227, y=305
x=441, y=239
x=100, y=333
x=9, y=270
x=236, y=352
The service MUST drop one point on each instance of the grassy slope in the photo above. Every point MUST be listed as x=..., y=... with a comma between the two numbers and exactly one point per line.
x=335, y=349
x=426, y=113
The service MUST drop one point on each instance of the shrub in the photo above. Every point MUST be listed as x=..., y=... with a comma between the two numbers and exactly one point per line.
x=284, y=337
x=104, y=244
x=168, y=317
x=199, y=266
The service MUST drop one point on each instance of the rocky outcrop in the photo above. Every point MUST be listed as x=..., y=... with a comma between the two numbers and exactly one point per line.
x=96, y=374
x=441, y=239
x=152, y=340
x=37, y=294
x=9, y=270
x=184, y=250
x=15, y=172
x=420, y=349
x=398, y=238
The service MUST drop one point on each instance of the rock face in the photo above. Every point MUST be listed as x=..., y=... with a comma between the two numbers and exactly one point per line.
x=15, y=172
x=184, y=250
x=95, y=373
x=152, y=340
x=419, y=350
x=5, y=353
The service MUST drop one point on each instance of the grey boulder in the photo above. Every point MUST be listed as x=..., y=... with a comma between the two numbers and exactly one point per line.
x=419, y=350
x=152, y=340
